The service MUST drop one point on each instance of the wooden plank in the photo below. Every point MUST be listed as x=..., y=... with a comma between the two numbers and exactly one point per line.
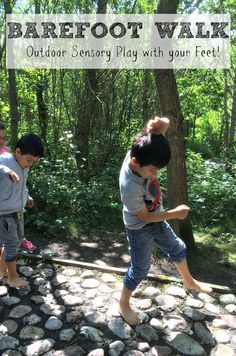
x=120, y=271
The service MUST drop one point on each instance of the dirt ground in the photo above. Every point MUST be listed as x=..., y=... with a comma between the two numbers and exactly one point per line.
x=110, y=248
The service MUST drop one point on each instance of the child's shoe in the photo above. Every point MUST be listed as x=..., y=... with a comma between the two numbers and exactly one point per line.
x=27, y=245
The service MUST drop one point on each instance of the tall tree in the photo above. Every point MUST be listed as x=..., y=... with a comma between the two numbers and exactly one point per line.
x=13, y=99
x=231, y=132
x=89, y=109
x=170, y=107
x=233, y=115
x=40, y=88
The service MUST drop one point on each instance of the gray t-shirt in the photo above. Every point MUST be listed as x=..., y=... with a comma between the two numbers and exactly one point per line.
x=136, y=193
x=13, y=196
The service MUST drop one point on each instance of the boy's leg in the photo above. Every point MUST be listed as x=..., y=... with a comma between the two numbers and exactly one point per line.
x=188, y=280
x=21, y=226
x=13, y=279
x=9, y=237
x=3, y=269
x=140, y=249
x=24, y=243
x=130, y=316
x=175, y=248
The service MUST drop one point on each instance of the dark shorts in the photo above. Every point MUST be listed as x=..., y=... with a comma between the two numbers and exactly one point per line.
x=9, y=236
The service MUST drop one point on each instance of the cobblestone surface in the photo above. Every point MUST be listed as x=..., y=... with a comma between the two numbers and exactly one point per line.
x=73, y=311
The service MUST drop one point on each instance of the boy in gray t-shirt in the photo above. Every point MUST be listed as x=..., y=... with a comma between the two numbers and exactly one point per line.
x=143, y=215
x=13, y=197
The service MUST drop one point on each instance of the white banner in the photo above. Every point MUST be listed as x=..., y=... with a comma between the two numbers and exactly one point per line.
x=118, y=41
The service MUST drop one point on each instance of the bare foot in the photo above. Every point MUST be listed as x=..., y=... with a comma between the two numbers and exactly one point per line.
x=17, y=282
x=198, y=286
x=3, y=272
x=129, y=316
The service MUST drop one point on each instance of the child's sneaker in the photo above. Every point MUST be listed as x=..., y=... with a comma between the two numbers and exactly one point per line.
x=27, y=245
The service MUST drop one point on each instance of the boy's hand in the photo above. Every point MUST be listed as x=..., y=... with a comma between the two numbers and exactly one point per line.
x=181, y=211
x=159, y=125
x=30, y=202
x=14, y=177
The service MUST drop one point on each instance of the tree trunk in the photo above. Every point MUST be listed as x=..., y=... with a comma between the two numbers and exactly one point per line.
x=170, y=107
x=13, y=106
x=41, y=85
x=231, y=131
x=226, y=115
x=83, y=126
x=13, y=101
x=147, y=81
x=42, y=111
x=102, y=7
x=233, y=116
x=2, y=47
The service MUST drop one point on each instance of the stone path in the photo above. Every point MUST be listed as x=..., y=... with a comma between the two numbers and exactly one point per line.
x=73, y=311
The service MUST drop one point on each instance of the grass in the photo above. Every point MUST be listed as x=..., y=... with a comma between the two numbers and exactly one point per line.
x=214, y=259
x=222, y=246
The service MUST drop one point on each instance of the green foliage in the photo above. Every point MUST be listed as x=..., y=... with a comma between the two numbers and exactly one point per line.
x=4, y=111
x=211, y=192
x=64, y=204
x=72, y=196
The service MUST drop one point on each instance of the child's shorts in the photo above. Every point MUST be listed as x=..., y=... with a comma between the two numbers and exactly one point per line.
x=140, y=250
x=9, y=237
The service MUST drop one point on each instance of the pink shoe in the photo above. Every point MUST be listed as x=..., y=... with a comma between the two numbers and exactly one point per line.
x=27, y=245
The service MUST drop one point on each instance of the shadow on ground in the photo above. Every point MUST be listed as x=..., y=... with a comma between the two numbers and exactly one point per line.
x=110, y=248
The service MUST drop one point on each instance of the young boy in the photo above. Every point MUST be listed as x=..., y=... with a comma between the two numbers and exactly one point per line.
x=13, y=198
x=143, y=214
x=24, y=244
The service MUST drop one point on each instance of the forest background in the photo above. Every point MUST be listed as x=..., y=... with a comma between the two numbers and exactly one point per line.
x=87, y=119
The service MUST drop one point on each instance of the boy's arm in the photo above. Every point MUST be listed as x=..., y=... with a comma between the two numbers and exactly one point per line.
x=4, y=170
x=14, y=177
x=180, y=212
x=158, y=125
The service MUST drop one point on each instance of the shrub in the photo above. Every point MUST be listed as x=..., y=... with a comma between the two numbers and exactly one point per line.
x=211, y=191
x=63, y=202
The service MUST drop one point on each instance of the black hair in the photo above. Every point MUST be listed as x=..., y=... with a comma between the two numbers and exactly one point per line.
x=30, y=144
x=151, y=149
x=2, y=126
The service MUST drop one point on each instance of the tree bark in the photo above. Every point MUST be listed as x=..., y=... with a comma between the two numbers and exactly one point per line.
x=13, y=100
x=42, y=111
x=102, y=7
x=145, y=97
x=233, y=116
x=83, y=126
x=226, y=115
x=231, y=130
x=41, y=85
x=170, y=107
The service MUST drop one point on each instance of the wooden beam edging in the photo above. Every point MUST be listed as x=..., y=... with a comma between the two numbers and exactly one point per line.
x=121, y=271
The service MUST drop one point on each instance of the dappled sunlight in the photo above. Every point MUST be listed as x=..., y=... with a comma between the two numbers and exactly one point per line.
x=213, y=262
x=107, y=248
